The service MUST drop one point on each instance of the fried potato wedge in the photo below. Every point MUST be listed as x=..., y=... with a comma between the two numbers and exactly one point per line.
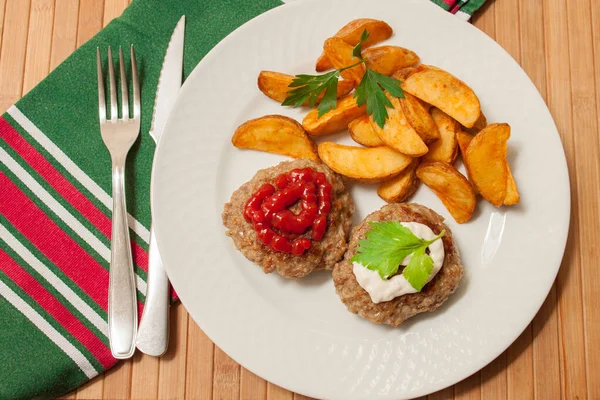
x=372, y=164
x=398, y=133
x=445, y=91
x=335, y=120
x=485, y=160
x=446, y=148
x=340, y=55
x=275, y=134
x=512, y=193
x=403, y=73
x=350, y=33
x=389, y=59
x=419, y=118
x=276, y=85
x=479, y=124
x=401, y=187
x=362, y=132
x=463, y=138
x=451, y=187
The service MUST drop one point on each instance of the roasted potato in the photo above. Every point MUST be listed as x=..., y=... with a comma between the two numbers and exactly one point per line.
x=512, y=193
x=419, y=118
x=351, y=32
x=463, y=139
x=403, y=73
x=389, y=59
x=275, y=134
x=485, y=160
x=401, y=187
x=276, y=85
x=340, y=55
x=335, y=120
x=364, y=164
x=398, y=133
x=445, y=91
x=446, y=148
x=451, y=187
x=479, y=124
x=362, y=132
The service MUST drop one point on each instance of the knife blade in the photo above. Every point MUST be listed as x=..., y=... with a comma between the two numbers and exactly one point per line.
x=153, y=332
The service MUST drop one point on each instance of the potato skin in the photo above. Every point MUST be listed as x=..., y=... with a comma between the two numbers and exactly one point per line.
x=276, y=85
x=335, y=120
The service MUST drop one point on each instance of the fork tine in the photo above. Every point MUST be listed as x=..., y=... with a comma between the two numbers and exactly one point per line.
x=114, y=113
x=124, y=90
x=101, y=99
x=136, y=85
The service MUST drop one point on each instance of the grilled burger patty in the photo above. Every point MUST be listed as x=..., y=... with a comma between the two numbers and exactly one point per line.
x=397, y=310
x=323, y=254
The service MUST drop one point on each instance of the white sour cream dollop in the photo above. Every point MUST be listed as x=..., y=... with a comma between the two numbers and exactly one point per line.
x=382, y=290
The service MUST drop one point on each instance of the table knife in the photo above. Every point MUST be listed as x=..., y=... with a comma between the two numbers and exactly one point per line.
x=153, y=332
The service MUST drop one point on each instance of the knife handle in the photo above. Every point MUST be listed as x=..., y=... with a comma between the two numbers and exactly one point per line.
x=153, y=332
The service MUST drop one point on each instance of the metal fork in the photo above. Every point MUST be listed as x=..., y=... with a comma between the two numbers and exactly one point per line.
x=118, y=136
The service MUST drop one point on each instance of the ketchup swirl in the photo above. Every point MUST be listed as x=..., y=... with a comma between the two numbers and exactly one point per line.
x=276, y=225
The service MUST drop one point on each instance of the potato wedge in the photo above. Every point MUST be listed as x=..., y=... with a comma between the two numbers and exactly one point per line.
x=371, y=164
x=463, y=138
x=275, y=134
x=512, y=193
x=276, y=85
x=445, y=91
x=389, y=59
x=362, y=132
x=340, y=55
x=480, y=123
x=335, y=120
x=451, y=187
x=350, y=33
x=446, y=148
x=485, y=160
x=418, y=117
x=398, y=133
x=401, y=187
x=403, y=73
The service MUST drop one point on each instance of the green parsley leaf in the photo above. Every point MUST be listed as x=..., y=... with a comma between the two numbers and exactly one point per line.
x=357, y=50
x=307, y=88
x=418, y=269
x=370, y=91
x=387, y=244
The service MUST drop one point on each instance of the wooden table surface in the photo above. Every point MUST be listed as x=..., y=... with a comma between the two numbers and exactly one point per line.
x=557, y=42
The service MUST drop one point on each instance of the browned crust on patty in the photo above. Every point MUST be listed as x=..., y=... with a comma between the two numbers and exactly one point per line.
x=396, y=311
x=322, y=254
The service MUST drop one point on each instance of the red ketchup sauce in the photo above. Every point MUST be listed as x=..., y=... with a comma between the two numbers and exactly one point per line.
x=278, y=227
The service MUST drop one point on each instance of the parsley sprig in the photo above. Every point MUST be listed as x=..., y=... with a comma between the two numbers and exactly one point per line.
x=308, y=88
x=387, y=244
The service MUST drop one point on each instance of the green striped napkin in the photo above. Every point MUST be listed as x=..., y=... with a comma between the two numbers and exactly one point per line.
x=55, y=201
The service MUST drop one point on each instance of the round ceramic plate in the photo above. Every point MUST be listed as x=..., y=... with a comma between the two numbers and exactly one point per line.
x=297, y=333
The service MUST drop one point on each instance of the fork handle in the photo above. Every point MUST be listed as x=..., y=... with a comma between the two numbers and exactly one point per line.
x=122, y=300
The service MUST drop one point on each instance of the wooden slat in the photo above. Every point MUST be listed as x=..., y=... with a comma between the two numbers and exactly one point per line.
x=493, y=379
x=200, y=357
x=469, y=389
x=12, y=54
x=39, y=43
x=2, y=9
x=226, y=376
x=64, y=32
x=252, y=386
x=91, y=14
x=144, y=377
x=301, y=397
x=112, y=9
x=92, y=390
x=171, y=384
x=444, y=394
x=546, y=371
x=275, y=392
x=587, y=154
x=570, y=308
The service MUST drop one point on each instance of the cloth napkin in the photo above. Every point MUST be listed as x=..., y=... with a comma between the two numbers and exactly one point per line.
x=55, y=201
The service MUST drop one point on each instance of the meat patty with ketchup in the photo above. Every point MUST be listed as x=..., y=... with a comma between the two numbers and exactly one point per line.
x=292, y=218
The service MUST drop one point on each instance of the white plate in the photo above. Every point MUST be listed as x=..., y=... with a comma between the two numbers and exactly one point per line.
x=298, y=334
